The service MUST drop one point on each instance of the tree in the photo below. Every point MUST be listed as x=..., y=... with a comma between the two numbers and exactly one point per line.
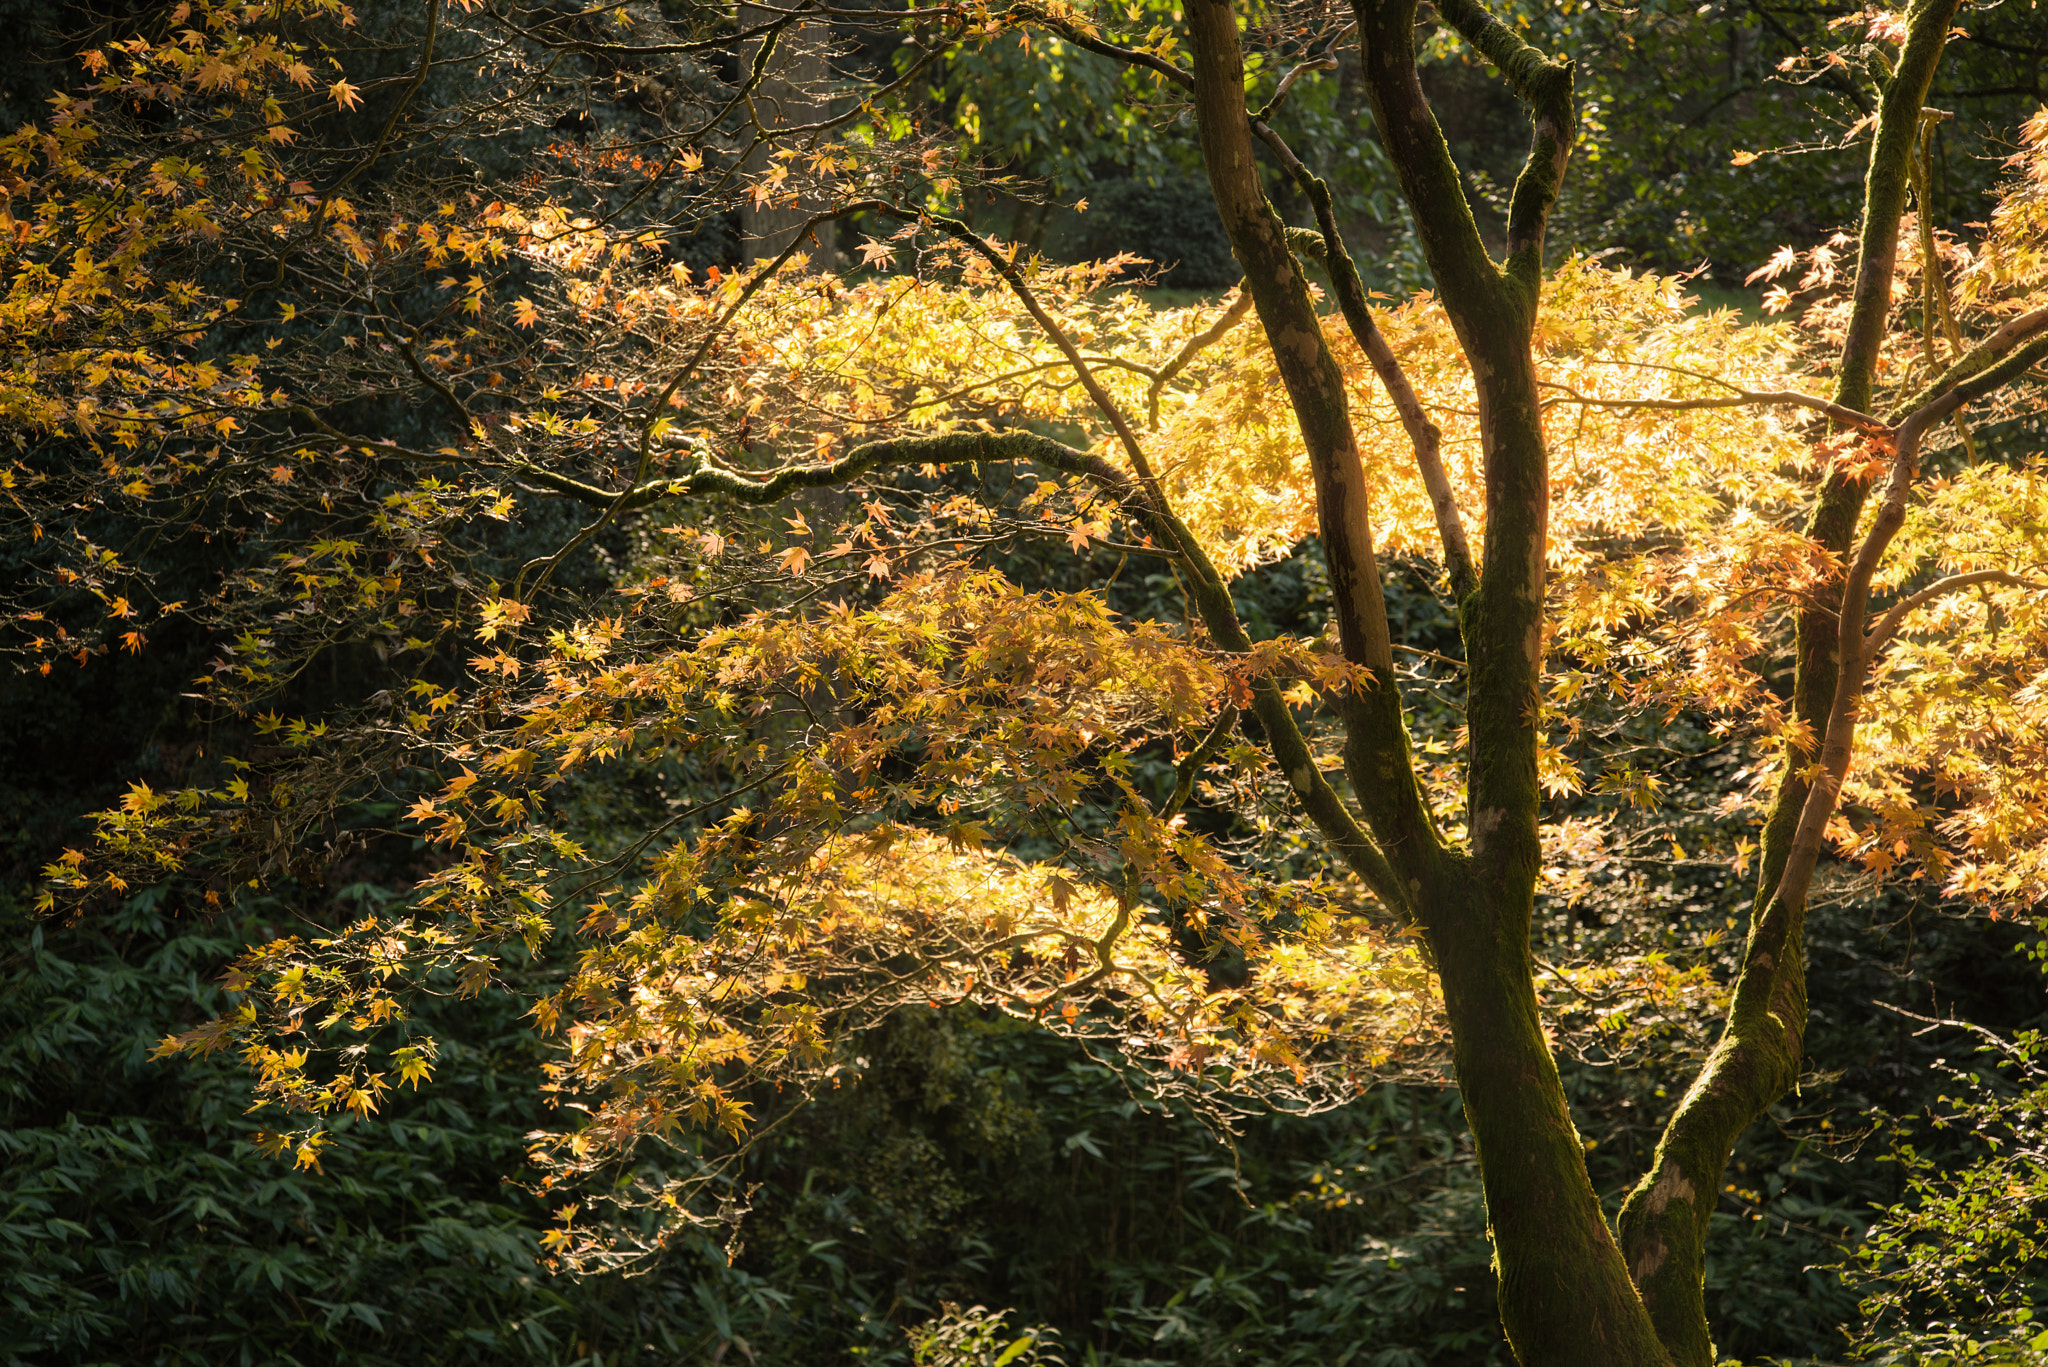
x=838, y=769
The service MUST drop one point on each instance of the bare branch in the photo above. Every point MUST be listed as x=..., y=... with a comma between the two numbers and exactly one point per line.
x=1287, y=82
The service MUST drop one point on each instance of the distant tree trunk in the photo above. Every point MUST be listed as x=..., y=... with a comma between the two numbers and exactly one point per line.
x=792, y=93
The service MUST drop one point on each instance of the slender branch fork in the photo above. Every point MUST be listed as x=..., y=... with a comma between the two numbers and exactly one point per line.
x=1858, y=648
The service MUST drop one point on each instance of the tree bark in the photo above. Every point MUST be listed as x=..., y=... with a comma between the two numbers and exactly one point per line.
x=1565, y=1294
x=1663, y=1223
x=790, y=92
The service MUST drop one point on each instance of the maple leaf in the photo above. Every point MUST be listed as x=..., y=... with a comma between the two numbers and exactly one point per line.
x=794, y=559
x=524, y=312
x=1784, y=259
x=345, y=95
x=968, y=835
x=412, y=1065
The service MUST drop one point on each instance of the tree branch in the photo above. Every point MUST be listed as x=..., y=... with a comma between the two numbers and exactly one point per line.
x=1424, y=437
x=1741, y=398
x=1465, y=274
x=1888, y=625
x=319, y=218
x=1884, y=195
x=1006, y=267
x=656, y=409
x=1544, y=85
x=1084, y=38
x=2009, y=335
x=1192, y=348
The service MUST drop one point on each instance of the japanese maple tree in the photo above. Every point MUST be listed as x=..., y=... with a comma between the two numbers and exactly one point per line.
x=918, y=773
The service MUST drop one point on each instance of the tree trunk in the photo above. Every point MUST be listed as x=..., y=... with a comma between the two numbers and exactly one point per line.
x=1664, y=1221
x=1566, y=1298
x=791, y=92
x=1567, y=1295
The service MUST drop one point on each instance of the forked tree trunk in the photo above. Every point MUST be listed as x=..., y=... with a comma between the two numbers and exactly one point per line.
x=1565, y=1295
x=1568, y=1298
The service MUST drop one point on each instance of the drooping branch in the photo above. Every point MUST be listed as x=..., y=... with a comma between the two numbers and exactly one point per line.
x=949, y=448
x=945, y=448
x=376, y=154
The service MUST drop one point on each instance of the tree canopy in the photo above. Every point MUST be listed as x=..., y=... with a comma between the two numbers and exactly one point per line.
x=922, y=595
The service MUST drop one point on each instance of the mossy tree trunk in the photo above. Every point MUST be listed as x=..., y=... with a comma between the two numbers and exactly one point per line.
x=1565, y=1295
x=1568, y=1294
x=1664, y=1221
